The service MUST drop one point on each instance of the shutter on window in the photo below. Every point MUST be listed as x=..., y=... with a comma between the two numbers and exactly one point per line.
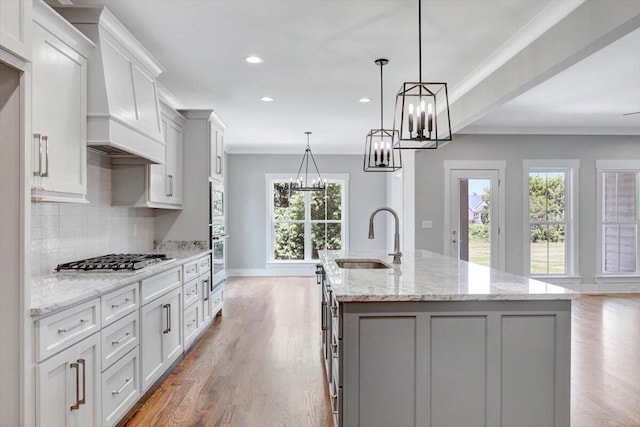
x=619, y=206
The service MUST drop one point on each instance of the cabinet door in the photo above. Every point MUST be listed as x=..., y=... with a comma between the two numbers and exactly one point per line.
x=158, y=185
x=172, y=340
x=153, y=323
x=174, y=163
x=59, y=114
x=161, y=335
x=14, y=19
x=205, y=283
x=68, y=391
x=216, y=152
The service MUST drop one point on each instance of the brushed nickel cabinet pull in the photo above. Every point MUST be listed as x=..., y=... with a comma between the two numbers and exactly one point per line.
x=37, y=137
x=77, y=404
x=166, y=330
x=84, y=382
x=117, y=342
x=64, y=330
x=169, y=311
x=126, y=300
x=218, y=165
x=126, y=383
x=46, y=158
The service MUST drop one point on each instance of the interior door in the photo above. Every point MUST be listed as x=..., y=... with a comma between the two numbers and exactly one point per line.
x=474, y=216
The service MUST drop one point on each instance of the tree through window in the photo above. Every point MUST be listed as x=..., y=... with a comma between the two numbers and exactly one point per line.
x=304, y=223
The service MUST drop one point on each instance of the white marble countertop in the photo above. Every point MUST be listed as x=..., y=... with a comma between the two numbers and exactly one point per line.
x=428, y=276
x=61, y=290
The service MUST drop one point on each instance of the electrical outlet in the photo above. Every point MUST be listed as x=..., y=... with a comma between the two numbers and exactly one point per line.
x=427, y=224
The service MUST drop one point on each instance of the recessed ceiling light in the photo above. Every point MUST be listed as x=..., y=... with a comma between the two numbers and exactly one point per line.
x=365, y=100
x=254, y=59
x=267, y=99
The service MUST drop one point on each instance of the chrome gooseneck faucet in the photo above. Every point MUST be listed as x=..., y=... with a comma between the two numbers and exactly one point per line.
x=396, y=244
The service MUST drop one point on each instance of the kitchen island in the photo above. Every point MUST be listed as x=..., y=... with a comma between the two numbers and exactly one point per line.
x=440, y=342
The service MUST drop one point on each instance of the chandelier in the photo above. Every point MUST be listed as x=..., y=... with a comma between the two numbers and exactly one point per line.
x=303, y=182
x=379, y=153
x=422, y=109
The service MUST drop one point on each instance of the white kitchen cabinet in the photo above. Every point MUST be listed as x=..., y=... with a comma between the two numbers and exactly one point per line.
x=161, y=331
x=120, y=388
x=205, y=290
x=154, y=185
x=15, y=25
x=165, y=181
x=216, y=151
x=59, y=113
x=68, y=386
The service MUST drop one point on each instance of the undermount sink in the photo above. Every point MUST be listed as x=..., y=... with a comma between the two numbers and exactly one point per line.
x=359, y=263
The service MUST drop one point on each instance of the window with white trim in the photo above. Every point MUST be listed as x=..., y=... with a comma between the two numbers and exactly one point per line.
x=301, y=223
x=618, y=217
x=550, y=243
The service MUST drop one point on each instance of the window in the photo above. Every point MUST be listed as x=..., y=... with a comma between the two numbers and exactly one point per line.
x=618, y=211
x=303, y=223
x=550, y=244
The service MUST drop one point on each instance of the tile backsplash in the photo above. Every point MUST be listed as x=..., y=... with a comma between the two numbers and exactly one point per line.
x=63, y=232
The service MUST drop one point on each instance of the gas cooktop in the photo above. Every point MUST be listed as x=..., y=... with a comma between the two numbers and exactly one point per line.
x=126, y=262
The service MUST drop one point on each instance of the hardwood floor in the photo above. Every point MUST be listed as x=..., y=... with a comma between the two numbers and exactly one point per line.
x=260, y=364
x=605, y=361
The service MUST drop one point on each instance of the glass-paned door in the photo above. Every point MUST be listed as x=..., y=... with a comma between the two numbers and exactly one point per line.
x=474, y=216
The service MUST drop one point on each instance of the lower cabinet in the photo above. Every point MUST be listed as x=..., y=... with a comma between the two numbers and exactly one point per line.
x=120, y=388
x=68, y=386
x=205, y=290
x=161, y=329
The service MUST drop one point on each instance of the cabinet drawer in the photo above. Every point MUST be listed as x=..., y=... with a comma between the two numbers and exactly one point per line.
x=217, y=298
x=61, y=330
x=120, y=387
x=204, y=264
x=119, y=338
x=191, y=323
x=191, y=293
x=335, y=317
x=190, y=270
x=119, y=303
x=335, y=359
x=160, y=284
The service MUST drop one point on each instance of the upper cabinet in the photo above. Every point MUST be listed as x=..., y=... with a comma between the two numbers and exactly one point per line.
x=154, y=186
x=216, y=147
x=15, y=22
x=123, y=108
x=59, y=108
x=168, y=177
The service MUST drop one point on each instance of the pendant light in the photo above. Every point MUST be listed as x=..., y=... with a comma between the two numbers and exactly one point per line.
x=379, y=155
x=422, y=109
x=303, y=182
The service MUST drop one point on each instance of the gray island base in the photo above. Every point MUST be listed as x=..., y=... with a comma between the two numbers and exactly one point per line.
x=443, y=343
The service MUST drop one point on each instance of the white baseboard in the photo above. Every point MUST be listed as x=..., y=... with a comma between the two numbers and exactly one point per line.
x=298, y=271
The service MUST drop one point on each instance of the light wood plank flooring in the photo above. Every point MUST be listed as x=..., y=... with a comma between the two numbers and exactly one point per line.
x=260, y=365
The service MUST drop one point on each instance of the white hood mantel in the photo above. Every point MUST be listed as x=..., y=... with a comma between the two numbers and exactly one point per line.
x=123, y=113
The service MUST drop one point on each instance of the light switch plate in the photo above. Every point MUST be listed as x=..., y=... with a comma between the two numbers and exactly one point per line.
x=427, y=224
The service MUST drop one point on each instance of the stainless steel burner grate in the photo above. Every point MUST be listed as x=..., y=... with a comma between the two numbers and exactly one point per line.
x=114, y=262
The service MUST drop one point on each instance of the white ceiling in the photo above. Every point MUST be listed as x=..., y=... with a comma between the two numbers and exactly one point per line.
x=588, y=98
x=318, y=61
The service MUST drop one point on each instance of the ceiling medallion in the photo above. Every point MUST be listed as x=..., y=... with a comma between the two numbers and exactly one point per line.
x=303, y=182
x=422, y=109
x=379, y=155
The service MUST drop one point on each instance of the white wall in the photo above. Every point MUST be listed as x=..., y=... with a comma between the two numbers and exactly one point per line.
x=62, y=232
x=513, y=149
x=246, y=202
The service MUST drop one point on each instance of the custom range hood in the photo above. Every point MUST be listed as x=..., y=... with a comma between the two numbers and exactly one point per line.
x=123, y=113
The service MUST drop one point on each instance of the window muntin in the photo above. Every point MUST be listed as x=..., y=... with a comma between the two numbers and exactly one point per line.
x=549, y=221
x=302, y=223
x=619, y=225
